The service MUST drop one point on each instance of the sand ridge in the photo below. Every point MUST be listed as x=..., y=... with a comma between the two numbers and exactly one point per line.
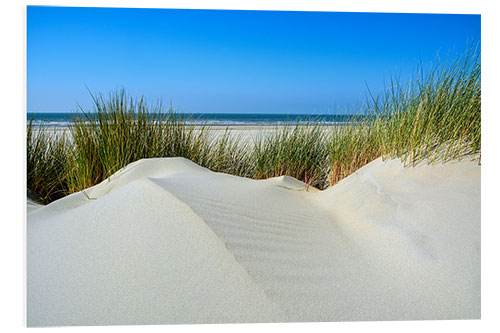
x=167, y=241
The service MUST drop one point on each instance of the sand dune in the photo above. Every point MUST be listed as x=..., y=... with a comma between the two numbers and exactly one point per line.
x=167, y=241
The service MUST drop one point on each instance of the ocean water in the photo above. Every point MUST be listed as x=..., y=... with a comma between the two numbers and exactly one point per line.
x=212, y=119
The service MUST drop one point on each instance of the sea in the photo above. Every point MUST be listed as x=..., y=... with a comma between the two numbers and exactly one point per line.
x=211, y=119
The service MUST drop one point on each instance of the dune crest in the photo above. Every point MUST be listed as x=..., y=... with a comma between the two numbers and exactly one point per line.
x=166, y=241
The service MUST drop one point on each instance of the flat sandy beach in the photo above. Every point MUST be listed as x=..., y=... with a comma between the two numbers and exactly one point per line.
x=246, y=133
x=165, y=241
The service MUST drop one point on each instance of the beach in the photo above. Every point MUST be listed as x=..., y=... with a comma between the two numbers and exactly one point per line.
x=187, y=166
x=165, y=241
x=246, y=133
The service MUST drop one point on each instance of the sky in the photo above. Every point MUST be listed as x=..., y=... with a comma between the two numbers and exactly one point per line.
x=218, y=61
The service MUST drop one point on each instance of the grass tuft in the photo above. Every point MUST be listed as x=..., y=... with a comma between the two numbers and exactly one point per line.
x=299, y=151
x=436, y=116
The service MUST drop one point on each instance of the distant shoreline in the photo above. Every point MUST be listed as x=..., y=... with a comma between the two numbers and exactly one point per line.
x=212, y=119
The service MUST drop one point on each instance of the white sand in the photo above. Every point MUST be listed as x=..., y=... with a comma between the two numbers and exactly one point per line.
x=32, y=205
x=246, y=134
x=165, y=241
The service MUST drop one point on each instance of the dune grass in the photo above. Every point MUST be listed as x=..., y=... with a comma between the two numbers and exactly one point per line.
x=228, y=153
x=122, y=130
x=47, y=157
x=435, y=117
x=299, y=151
x=352, y=146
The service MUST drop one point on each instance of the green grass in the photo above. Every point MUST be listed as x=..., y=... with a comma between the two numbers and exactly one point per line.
x=229, y=154
x=435, y=117
x=122, y=130
x=351, y=146
x=47, y=157
x=299, y=151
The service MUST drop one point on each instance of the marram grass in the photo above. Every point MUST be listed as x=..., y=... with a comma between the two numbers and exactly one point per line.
x=299, y=151
x=435, y=117
x=47, y=159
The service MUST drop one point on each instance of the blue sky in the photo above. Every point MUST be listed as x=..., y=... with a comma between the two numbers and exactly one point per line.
x=229, y=61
